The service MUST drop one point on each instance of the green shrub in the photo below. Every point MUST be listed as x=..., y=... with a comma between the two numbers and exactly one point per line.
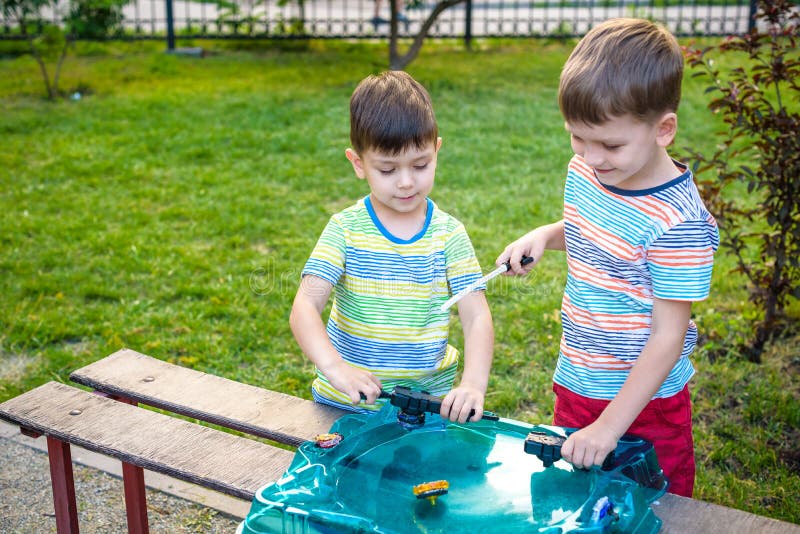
x=95, y=19
x=759, y=150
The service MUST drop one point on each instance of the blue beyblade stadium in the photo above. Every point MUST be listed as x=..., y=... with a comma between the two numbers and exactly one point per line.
x=404, y=470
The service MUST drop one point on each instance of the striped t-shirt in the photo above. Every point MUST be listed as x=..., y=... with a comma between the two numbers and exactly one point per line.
x=386, y=315
x=625, y=248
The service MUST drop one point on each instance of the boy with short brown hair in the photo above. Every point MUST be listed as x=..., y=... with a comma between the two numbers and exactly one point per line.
x=639, y=244
x=390, y=261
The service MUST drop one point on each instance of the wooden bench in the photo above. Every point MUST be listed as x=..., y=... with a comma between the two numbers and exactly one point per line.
x=111, y=423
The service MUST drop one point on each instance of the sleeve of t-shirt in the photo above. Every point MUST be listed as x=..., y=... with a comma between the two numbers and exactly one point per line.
x=462, y=264
x=681, y=260
x=327, y=258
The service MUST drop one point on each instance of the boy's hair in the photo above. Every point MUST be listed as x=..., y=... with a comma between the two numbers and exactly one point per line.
x=622, y=67
x=390, y=112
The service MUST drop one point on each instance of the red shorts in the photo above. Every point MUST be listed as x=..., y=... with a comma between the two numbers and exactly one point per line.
x=667, y=423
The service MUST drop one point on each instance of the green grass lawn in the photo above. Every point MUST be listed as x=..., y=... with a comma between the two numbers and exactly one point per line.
x=170, y=210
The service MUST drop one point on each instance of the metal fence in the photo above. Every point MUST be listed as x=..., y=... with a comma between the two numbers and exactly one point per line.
x=356, y=19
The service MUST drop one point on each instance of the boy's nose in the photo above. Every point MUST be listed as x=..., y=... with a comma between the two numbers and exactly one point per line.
x=405, y=180
x=592, y=156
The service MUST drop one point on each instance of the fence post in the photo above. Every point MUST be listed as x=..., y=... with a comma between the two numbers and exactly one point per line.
x=468, y=25
x=170, y=27
x=751, y=21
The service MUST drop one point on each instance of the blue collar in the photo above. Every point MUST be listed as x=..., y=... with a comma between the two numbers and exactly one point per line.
x=388, y=235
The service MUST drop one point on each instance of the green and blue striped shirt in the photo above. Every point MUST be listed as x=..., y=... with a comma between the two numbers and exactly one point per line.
x=386, y=315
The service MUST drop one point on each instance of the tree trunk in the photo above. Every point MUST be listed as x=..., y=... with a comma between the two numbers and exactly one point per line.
x=59, y=64
x=51, y=95
x=400, y=62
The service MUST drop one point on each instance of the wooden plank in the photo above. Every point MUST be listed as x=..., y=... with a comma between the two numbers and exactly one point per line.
x=687, y=516
x=230, y=464
x=253, y=410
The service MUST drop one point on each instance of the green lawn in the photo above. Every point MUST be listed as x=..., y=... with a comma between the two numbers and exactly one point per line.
x=171, y=208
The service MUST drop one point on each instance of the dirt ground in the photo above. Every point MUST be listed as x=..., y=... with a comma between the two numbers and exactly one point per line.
x=26, y=500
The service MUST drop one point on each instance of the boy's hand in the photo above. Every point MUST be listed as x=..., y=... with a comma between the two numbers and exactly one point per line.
x=589, y=446
x=353, y=381
x=533, y=244
x=457, y=404
x=528, y=245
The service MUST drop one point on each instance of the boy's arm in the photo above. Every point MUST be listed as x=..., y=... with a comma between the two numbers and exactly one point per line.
x=590, y=445
x=309, y=331
x=533, y=244
x=476, y=321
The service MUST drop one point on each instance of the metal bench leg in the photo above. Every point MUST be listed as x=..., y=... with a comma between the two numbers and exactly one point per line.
x=63, y=486
x=133, y=482
x=135, y=499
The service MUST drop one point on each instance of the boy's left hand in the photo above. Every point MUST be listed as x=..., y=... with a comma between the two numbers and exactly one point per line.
x=589, y=446
x=457, y=404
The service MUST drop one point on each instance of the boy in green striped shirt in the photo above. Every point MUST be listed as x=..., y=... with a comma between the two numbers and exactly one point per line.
x=391, y=260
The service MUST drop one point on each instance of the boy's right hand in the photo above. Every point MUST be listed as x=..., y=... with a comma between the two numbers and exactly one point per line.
x=531, y=244
x=353, y=382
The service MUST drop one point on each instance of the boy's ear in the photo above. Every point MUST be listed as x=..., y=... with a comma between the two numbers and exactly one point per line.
x=666, y=128
x=355, y=160
x=438, y=143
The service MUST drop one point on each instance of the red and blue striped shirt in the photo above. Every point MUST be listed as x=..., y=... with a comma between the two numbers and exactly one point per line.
x=624, y=249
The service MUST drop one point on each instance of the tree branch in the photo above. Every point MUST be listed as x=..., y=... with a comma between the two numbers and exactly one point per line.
x=398, y=62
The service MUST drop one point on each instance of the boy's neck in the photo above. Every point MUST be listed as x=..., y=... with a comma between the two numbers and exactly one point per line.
x=399, y=224
x=663, y=170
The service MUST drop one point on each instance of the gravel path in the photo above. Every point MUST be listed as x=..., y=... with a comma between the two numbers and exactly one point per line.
x=26, y=500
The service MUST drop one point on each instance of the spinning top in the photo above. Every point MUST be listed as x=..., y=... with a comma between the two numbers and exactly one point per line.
x=431, y=490
x=326, y=441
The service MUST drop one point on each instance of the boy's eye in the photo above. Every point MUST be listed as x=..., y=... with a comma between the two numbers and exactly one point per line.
x=420, y=166
x=611, y=147
x=386, y=171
